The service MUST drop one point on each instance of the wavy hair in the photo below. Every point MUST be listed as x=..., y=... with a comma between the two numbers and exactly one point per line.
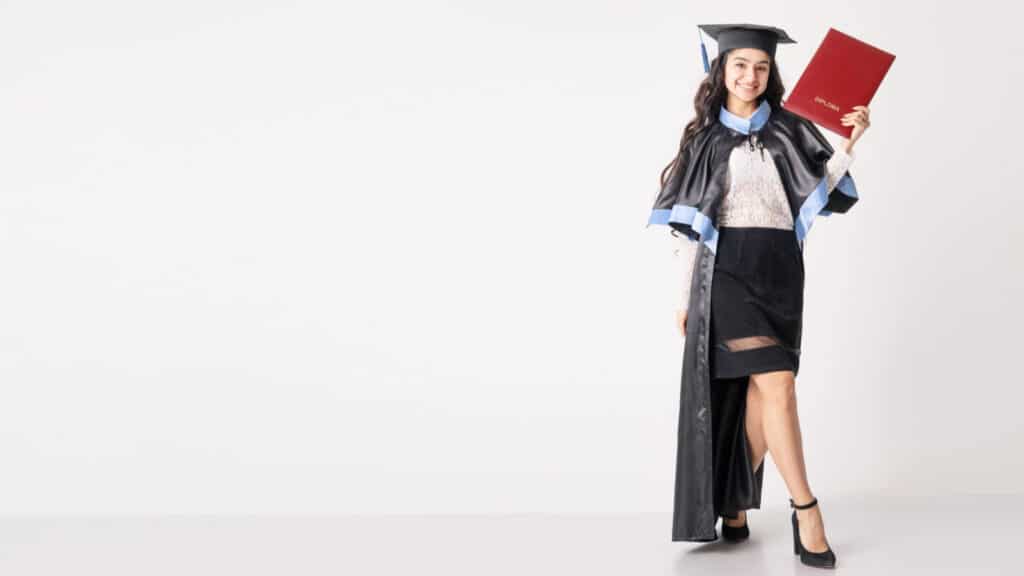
x=711, y=96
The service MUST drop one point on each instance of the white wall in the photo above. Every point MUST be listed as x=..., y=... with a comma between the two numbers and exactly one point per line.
x=311, y=257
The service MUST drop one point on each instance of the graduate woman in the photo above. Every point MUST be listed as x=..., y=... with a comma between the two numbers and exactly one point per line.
x=748, y=181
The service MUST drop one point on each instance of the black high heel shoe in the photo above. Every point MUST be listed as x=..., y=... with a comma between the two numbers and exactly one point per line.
x=826, y=559
x=735, y=533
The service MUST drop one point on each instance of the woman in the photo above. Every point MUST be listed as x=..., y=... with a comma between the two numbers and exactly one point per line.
x=748, y=181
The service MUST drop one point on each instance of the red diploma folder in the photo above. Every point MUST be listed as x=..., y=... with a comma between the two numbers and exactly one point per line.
x=844, y=72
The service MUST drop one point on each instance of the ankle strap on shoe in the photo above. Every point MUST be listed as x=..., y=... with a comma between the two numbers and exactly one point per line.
x=802, y=506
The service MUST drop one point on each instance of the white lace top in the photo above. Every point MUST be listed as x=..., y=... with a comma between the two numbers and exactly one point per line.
x=755, y=198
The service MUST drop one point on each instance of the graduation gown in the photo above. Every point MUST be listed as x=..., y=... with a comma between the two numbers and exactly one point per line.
x=689, y=203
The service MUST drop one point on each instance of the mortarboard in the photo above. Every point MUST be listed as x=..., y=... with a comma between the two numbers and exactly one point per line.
x=731, y=36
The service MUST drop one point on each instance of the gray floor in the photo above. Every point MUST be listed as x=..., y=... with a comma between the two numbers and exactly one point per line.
x=870, y=534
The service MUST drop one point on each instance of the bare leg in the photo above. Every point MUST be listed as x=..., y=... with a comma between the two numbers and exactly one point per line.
x=755, y=438
x=782, y=435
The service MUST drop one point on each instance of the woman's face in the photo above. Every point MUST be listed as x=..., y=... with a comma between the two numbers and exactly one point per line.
x=746, y=73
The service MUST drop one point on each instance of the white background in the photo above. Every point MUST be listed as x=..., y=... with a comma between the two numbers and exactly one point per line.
x=391, y=257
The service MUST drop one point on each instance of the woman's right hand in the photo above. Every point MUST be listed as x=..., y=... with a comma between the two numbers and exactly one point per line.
x=681, y=321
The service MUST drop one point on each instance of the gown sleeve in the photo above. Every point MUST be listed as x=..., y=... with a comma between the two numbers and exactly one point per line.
x=686, y=202
x=685, y=254
x=835, y=191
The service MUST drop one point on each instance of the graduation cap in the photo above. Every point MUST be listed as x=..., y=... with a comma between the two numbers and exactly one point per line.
x=731, y=36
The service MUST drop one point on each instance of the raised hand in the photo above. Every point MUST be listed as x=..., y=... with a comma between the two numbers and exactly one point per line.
x=860, y=118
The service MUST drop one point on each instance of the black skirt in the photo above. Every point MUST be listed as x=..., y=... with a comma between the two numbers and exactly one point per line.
x=756, y=302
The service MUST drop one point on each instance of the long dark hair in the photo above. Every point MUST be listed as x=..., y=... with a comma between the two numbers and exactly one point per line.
x=711, y=96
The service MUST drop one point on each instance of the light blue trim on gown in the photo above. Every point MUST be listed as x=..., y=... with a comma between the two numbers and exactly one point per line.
x=691, y=217
x=815, y=204
x=740, y=124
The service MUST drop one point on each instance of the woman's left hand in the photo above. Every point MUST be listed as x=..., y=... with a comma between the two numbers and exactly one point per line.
x=860, y=118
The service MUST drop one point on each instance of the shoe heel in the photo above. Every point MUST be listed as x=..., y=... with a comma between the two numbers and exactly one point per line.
x=826, y=559
x=796, y=536
x=733, y=533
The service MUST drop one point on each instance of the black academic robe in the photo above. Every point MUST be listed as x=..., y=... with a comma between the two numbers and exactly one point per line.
x=689, y=203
